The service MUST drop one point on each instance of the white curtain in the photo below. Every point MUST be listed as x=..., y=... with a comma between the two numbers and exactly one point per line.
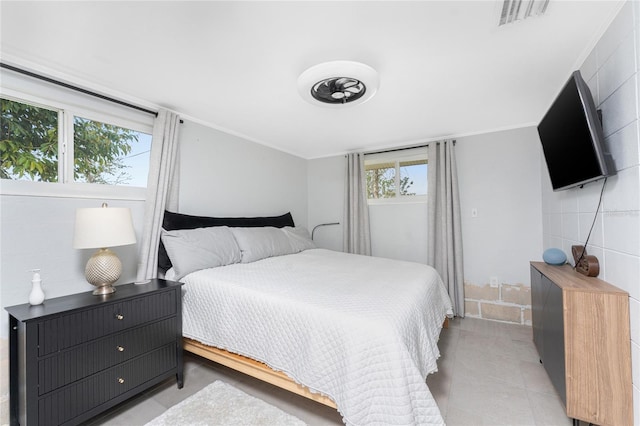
x=444, y=225
x=356, y=237
x=162, y=190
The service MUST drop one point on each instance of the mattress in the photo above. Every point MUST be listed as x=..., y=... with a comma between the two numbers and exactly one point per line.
x=360, y=330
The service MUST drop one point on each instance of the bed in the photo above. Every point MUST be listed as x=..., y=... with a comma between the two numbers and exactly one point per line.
x=353, y=332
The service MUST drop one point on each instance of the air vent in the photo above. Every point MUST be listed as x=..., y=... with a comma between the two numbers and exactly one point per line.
x=517, y=10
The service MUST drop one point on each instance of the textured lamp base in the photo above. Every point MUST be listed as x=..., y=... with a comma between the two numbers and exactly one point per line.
x=102, y=270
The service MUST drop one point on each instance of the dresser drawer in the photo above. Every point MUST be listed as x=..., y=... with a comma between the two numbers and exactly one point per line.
x=81, y=361
x=85, y=325
x=66, y=404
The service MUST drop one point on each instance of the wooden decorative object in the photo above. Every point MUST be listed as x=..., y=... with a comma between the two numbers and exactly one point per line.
x=585, y=264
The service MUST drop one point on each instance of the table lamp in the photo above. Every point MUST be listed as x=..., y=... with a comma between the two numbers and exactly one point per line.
x=101, y=228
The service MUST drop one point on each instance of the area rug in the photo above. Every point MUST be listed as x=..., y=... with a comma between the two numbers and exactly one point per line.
x=222, y=404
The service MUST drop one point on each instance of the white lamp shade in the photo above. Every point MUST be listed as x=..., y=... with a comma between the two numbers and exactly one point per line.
x=103, y=227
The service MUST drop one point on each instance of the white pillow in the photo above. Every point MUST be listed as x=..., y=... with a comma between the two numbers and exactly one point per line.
x=170, y=274
x=299, y=238
x=260, y=243
x=201, y=248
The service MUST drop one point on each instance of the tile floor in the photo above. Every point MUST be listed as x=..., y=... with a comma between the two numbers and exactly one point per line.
x=489, y=374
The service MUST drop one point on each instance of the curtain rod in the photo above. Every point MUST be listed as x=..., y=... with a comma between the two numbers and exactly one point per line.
x=76, y=88
x=402, y=149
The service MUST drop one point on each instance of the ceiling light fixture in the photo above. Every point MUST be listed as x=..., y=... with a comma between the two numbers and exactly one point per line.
x=517, y=10
x=338, y=83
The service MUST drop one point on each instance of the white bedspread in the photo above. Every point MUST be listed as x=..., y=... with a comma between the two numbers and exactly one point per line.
x=358, y=329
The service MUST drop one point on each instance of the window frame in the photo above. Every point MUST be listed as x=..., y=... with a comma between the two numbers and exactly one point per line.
x=66, y=187
x=397, y=157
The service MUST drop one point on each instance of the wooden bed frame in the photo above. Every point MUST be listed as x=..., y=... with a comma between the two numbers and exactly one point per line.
x=259, y=370
x=255, y=369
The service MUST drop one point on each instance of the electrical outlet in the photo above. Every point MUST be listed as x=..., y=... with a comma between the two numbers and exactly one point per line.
x=493, y=282
x=474, y=212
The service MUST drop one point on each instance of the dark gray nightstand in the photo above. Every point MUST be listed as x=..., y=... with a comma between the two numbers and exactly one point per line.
x=76, y=356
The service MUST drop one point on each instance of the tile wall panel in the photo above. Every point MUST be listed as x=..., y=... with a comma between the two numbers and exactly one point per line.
x=611, y=70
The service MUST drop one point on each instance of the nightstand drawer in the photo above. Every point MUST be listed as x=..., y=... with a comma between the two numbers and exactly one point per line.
x=74, y=400
x=81, y=361
x=79, y=327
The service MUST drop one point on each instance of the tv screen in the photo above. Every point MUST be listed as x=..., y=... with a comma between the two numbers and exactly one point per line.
x=572, y=138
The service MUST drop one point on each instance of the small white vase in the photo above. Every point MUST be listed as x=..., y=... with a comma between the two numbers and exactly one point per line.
x=37, y=295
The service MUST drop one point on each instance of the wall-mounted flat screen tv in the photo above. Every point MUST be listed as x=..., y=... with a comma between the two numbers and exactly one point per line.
x=572, y=138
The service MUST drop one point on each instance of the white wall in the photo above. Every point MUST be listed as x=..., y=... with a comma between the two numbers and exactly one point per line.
x=326, y=180
x=224, y=175
x=499, y=174
x=612, y=72
x=399, y=231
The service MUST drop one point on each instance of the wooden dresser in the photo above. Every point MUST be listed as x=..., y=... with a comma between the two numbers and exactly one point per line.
x=581, y=331
x=74, y=357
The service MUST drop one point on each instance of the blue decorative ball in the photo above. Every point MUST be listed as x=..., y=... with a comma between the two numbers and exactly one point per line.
x=554, y=256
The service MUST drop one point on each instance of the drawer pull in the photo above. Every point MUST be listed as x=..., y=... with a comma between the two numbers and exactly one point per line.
x=120, y=380
x=120, y=348
x=119, y=317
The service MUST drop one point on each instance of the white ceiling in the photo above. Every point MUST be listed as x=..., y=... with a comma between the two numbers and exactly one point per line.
x=445, y=67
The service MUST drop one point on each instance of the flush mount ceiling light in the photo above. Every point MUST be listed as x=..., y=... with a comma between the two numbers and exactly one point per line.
x=517, y=10
x=338, y=83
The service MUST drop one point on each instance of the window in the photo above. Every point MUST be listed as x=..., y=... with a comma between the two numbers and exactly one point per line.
x=109, y=154
x=397, y=175
x=35, y=145
x=28, y=142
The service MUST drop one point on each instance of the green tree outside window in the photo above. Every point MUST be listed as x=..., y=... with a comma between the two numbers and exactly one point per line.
x=28, y=142
x=29, y=146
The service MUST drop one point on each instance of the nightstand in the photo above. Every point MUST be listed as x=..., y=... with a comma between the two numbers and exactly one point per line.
x=76, y=356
